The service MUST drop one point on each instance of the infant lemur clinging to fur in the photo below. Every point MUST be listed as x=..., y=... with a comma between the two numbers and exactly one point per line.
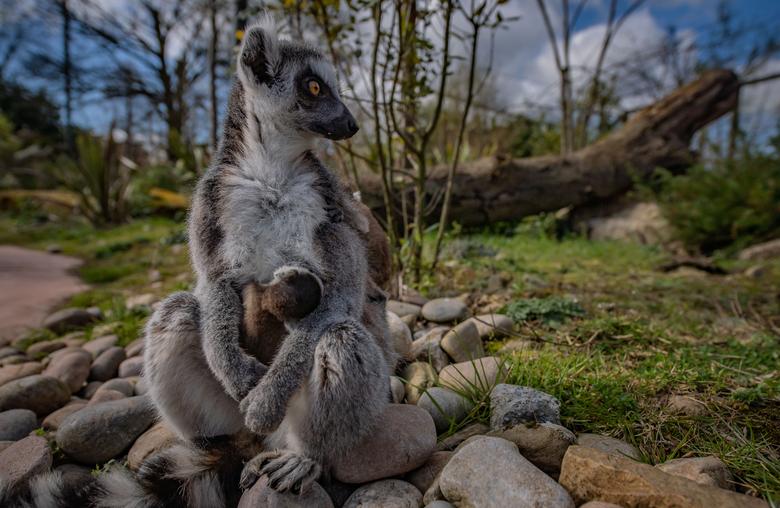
x=268, y=213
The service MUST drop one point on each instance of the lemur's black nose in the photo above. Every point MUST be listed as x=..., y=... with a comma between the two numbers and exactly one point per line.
x=352, y=127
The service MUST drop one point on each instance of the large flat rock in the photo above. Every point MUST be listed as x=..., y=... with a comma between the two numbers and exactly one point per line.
x=590, y=474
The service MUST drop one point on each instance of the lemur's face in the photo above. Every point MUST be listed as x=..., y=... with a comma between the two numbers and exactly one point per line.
x=294, y=82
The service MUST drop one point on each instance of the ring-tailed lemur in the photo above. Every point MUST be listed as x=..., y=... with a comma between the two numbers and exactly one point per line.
x=268, y=210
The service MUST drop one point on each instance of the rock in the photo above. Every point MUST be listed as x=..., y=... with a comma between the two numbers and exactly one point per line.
x=639, y=222
x=7, y=351
x=100, y=432
x=95, y=312
x=123, y=386
x=544, y=444
x=402, y=309
x=589, y=474
x=141, y=386
x=489, y=472
x=397, y=389
x=766, y=250
x=452, y=442
x=97, y=346
x=24, y=459
x=445, y=310
x=482, y=374
x=104, y=329
x=511, y=404
x=106, y=364
x=66, y=351
x=410, y=320
x=135, y=348
x=686, y=405
x=599, y=504
x=106, y=396
x=20, y=370
x=45, y=347
x=704, y=470
x=67, y=319
x=55, y=419
x=72, y=369
x=419, y=377
x=89, y=390
x=423, y=476
x=401, y=336
x=462, y=343
x=5, y=444
x=17, y=423
x=756, y=271
x=444, y=406
x=154, y=440
x=493, y=325
x=439, y=504
x=131, y=367
x=262, y=496
x=405, y=439
x=74, y=338
x=433, y=493
x=427, y=348
x=40, y=394
x=140, y=301
x=385, y=494
x=14, y=360
x=608, y=444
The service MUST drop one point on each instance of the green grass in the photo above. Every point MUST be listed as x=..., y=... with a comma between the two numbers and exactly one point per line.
x=644, y=336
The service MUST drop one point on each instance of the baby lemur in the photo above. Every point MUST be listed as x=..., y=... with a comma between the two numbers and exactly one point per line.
x=268, y=214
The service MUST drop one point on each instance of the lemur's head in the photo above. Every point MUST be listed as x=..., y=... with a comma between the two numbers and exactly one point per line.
x=293, y=84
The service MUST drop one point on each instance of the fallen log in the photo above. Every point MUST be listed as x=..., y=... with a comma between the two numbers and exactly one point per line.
x=503, y=189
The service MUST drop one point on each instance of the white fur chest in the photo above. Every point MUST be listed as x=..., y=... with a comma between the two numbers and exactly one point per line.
x=271, y=213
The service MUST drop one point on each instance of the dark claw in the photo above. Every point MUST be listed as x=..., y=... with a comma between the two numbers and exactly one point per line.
x=248, y=479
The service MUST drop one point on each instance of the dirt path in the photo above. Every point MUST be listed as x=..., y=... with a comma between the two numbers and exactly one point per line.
x=31, y=283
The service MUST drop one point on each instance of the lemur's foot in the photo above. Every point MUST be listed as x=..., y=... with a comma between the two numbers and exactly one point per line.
x=262, y=413
x=287, y=471
x=292, y=294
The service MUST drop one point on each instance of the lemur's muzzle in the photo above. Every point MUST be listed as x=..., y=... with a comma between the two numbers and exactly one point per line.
x=341, y=126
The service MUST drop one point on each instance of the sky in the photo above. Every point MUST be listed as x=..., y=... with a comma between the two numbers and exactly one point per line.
x=524, y=73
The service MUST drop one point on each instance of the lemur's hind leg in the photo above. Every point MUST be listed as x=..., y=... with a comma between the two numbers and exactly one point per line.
x=339, y=404
x=181, y=383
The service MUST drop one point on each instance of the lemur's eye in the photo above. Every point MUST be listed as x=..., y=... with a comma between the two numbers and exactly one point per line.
x=314, y=87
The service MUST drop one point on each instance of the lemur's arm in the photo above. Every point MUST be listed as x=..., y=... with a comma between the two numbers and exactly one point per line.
x=222, y=317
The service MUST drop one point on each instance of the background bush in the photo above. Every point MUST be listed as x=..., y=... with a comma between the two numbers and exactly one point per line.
x=727, y=206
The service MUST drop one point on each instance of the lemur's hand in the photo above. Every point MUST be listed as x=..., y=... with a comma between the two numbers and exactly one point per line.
x=252, y=371
x=293, y=293
x=263, y=411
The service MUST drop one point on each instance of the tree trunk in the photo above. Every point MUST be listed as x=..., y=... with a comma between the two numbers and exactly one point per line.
x=67, y=73
x=502, y=189
x=213, y=48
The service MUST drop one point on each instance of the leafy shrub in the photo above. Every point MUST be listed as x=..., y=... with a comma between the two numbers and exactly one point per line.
x=728, y=206
x=551, y=311
x=99, y=177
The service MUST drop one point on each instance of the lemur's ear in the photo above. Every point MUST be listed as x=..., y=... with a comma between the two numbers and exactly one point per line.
x=258, y=55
